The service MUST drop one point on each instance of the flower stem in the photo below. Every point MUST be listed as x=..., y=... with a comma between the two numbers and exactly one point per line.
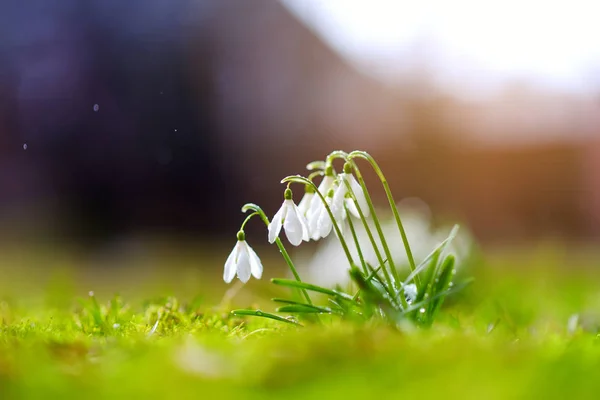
x=357, y=243
x=388, y=192
x=370, y=235
x=258, y=211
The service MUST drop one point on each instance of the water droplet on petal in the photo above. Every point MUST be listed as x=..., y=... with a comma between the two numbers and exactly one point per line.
x=96, y=107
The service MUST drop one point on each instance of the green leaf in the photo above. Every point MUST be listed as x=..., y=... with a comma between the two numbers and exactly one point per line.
x=312, y=288
x=305, y=309
x=453, y=289
x=442, y=284
x=259, y=313
x=438, y=250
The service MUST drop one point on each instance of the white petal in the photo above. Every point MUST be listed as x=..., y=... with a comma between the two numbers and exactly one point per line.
x=305, y=203
x=276, y=223
x=360, y=196
x=255, y=265
x=337, y=205
x=305, y=230
x=313, y=223
x=229, y=272
x=325, y=224
x=352, y=208
x=293, y=225
x=243, y=263
x=326, y=184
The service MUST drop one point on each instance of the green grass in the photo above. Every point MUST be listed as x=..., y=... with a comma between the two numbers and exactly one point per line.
x=505, y=336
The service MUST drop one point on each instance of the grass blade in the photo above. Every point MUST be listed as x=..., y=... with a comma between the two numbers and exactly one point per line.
x=423, y=264
x=311, y=287
x=259, y=313
x=302, y=308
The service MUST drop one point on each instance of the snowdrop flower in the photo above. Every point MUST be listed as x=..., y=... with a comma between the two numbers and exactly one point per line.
x=291, y=219
x=305, y=204
x=320, y=223
x=341, y=191
x=242, y=261
x=317, y=207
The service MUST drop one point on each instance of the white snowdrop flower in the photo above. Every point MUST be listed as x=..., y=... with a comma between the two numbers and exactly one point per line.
x=305, y=204
x=326, y=184
x=242, y=261
x=320, y=225
x=291, y=219
x=340, y=195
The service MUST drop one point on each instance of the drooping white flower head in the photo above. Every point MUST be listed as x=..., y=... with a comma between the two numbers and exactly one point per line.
x=340, y=196
x=291, y=219
x=242, y=261
x=320, y=224
x=317, y=208
x=306, y=202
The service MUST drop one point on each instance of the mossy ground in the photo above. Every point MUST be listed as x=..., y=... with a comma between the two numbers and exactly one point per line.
x=527, y=328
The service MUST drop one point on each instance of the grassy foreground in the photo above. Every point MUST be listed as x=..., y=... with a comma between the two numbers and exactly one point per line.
x=527, y=328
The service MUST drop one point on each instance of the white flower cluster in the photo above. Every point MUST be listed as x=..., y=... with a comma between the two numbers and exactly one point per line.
x=310, y=219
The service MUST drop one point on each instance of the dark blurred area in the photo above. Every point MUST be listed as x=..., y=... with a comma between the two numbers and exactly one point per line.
x=155, y=117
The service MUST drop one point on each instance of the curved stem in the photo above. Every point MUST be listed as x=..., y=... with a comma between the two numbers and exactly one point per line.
x=257, y=210
x=370, y=235
x=315, y=173
x=356, y=242
x=248, y=219
x=336, y=154
x=388, y=192
x=377, y=224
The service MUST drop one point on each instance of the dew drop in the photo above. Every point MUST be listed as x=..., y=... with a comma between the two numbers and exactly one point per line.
x=91, y=293
x=422, y=310
x=96, y=107
x=258, y=312
x=116, y=326
x=450, y=284
x=24, y=146
x=175, y=130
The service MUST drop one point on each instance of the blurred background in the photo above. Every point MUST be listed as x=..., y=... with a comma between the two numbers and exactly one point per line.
x=127, y=120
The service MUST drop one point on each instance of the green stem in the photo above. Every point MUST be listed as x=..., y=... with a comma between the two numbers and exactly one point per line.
x=386, y=274
x=377, y=224
x=388, y=192
x=358, y=249
x=257, y=210
x=248, y=219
